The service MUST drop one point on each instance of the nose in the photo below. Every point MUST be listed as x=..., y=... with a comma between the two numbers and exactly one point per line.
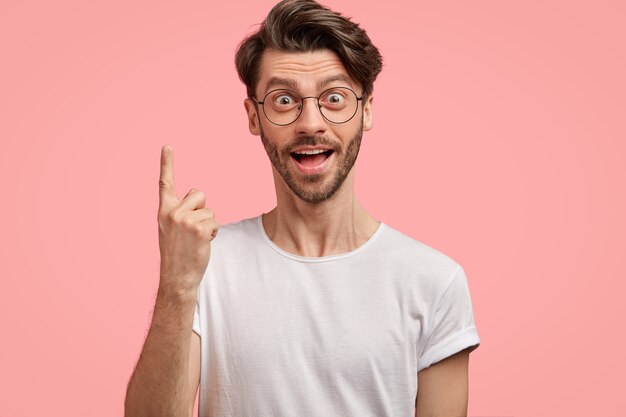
x=310, y=121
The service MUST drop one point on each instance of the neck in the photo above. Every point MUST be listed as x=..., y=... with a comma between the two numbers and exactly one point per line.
x=337, y=225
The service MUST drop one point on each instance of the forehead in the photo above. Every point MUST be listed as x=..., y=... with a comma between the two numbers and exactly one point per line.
x=301, y=70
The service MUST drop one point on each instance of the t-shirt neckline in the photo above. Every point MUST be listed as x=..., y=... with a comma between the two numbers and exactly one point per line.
x=328, y=258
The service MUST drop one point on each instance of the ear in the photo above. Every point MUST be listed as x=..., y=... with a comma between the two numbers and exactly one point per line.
x=368, y=117
x=253, y=117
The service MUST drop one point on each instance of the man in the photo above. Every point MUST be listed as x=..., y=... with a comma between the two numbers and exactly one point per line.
x=315, y=308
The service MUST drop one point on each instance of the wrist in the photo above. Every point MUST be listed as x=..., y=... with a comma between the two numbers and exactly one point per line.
x=178, y=290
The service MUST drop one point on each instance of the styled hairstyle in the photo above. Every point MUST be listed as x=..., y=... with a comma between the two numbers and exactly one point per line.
x=304, y=26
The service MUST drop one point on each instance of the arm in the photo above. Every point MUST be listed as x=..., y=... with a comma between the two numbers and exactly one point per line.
x=443, y=387
x=166, y=378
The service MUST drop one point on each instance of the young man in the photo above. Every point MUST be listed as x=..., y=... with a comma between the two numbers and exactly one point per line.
x=315, y=308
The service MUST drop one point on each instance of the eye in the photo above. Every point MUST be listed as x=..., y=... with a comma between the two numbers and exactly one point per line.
x=334, y=99
x=283, y=99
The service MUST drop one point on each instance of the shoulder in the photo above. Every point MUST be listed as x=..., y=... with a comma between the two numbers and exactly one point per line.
x=237, y=234
x=240, y=227
x=430, y=266
x=398, y=245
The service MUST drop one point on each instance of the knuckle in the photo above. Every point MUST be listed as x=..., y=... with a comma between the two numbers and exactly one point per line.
x=173, y=216
x=188, y=222
x=199, y=230
x=214, y=233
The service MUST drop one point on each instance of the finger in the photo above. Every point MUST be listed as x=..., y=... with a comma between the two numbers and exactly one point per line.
x=193, y=200
x=206, y=229
x=167, y=187
x=212, y=228
x=189, y=192
x=200, y=215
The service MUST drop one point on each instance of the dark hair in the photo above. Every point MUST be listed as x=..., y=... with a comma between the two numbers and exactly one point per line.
x=303, y=26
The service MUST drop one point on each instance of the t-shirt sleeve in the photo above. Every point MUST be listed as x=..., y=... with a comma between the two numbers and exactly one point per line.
x=196, y=320
x=452, y=326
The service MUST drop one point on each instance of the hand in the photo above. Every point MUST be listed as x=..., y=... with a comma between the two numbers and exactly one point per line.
x=186, y=229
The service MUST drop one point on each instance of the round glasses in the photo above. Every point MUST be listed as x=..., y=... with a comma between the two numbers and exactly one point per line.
x=282, y=107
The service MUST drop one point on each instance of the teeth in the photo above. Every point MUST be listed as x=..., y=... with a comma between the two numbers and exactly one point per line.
x=311, y=152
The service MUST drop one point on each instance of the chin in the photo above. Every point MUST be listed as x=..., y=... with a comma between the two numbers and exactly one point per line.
x=315, y=190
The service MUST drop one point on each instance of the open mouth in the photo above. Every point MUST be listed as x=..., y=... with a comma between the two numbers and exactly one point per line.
x=311, y=158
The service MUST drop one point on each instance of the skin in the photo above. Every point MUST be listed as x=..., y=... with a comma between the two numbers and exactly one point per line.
x=166, y=378
x=338, y=224
x=314, y=216
x=443, y=387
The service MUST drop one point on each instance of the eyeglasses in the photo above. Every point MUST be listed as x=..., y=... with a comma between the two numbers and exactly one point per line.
x=282, y=107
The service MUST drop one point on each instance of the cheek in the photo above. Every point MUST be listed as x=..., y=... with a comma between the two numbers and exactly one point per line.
x=346, y=132
x=276, y=135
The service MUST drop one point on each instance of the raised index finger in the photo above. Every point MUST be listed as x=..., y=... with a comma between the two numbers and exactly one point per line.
x=167, y=187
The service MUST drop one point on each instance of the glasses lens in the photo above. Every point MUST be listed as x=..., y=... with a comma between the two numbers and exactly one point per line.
x=282, y=106
x=339, y=104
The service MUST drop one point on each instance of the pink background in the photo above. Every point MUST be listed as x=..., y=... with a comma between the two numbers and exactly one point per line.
x=499, y=139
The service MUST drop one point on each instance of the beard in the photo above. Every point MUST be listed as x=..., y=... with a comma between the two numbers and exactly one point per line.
x=313, y=188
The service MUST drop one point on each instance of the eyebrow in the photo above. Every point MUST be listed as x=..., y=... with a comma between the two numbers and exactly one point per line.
x=277, y=81
x=333, y=78
x=292, y=84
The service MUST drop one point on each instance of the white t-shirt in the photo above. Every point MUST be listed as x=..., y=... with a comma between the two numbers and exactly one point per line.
x=341, y=335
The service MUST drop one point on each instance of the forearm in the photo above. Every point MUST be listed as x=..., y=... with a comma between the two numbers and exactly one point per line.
x=443, y=387
x=159, y=385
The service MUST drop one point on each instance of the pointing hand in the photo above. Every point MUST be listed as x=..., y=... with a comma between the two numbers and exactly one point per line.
x=186, y=229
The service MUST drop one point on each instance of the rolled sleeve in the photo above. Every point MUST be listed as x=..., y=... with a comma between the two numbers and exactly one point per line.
x=452, y=326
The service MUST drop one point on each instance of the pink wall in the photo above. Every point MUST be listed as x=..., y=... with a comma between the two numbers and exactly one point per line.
x=499, y=139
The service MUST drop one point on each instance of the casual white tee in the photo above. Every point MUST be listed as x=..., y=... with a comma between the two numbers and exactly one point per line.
x=340, y=335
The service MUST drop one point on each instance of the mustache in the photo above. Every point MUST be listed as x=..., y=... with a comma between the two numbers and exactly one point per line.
x=316, y=140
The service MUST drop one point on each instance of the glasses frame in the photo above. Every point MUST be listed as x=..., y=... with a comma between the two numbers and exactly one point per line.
x=319, y=106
